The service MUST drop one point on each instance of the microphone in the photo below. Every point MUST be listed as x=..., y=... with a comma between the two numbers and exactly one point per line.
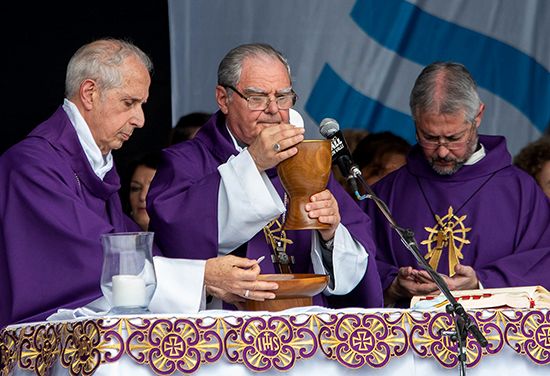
x=341, y=155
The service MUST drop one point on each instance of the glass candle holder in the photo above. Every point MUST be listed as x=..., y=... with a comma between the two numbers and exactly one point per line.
x=128, y=279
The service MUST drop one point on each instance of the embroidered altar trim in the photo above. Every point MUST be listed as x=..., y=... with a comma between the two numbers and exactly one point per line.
x=168, y=345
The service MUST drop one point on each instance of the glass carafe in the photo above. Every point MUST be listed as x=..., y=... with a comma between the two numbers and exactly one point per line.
x=128, y=279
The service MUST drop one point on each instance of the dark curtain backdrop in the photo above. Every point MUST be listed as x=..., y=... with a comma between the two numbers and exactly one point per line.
x=39, y=44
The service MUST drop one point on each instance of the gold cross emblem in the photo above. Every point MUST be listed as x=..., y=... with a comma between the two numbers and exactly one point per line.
x=448, y=233
x=274, y=234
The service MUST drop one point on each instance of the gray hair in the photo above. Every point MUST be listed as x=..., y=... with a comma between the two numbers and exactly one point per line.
x=445, y=88
x=229, y=70
x=101, y=61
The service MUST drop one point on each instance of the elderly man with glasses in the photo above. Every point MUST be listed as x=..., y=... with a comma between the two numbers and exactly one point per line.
x=220, y=194
x=479, y=221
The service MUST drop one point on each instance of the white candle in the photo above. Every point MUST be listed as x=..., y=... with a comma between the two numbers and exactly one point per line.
x=128, y=291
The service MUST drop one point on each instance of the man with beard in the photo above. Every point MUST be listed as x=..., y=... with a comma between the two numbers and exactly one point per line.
x=479, y=221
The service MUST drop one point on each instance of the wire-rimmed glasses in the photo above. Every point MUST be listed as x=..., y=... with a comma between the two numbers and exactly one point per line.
x=258, y=102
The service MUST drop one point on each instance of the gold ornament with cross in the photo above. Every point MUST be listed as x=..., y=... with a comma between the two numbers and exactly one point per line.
x=276, y=237
x=449, y=232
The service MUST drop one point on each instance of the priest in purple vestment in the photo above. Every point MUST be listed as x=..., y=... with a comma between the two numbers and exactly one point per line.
x=59, y=193
x=219, y=193
x=59, y=189
x=478, y=220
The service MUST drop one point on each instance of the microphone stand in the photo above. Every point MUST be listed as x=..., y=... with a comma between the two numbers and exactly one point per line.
x=463, y=323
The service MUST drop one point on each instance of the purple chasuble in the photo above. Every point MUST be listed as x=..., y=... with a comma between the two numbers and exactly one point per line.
x=183, y=206
x=53, y=209
x=492, y=217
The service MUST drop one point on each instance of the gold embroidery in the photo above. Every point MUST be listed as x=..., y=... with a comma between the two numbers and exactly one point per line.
x=449, y=232
x=278, y=243
x=270, y=232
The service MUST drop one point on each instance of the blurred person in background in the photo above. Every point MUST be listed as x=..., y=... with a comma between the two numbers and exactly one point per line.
x=378, y=154
x=187, y=126
x=535, y=160
x=143, y=172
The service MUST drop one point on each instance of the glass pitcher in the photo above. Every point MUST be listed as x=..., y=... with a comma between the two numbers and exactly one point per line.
x=128, y=279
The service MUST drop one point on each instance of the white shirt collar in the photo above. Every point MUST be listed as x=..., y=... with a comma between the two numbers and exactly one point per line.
x=235, y=142
x=100, y=164
x=477, y=156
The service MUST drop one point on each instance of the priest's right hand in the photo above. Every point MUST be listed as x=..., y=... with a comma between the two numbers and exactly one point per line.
x=229, y=277
x=274, y=144
x=408, y=284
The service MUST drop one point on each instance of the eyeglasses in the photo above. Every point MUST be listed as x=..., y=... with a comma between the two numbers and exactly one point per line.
x=261, y=102
x=450, y=143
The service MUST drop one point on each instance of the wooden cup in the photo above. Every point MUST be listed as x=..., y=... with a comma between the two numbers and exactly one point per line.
x=303, y=175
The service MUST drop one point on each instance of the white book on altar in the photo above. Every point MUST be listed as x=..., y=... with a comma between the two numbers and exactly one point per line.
x=509, y=297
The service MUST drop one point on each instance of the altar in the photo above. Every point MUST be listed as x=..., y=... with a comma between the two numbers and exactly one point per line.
x=297, y=341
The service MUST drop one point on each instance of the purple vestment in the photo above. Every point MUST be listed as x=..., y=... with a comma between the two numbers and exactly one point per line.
x=499, y=221
x=53, y=209
x=183, y=206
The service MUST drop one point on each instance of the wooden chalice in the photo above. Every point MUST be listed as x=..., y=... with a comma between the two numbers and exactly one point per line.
x=295, y=290
x=302, y=175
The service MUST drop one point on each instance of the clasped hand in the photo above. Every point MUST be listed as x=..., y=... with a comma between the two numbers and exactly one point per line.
x=410, y=282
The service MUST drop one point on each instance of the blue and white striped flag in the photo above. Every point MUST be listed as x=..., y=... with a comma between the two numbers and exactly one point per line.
x=356, y=60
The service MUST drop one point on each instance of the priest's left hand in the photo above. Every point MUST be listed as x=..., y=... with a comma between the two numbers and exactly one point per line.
x=224, y=295
x=465, y=278
x=324, y=207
